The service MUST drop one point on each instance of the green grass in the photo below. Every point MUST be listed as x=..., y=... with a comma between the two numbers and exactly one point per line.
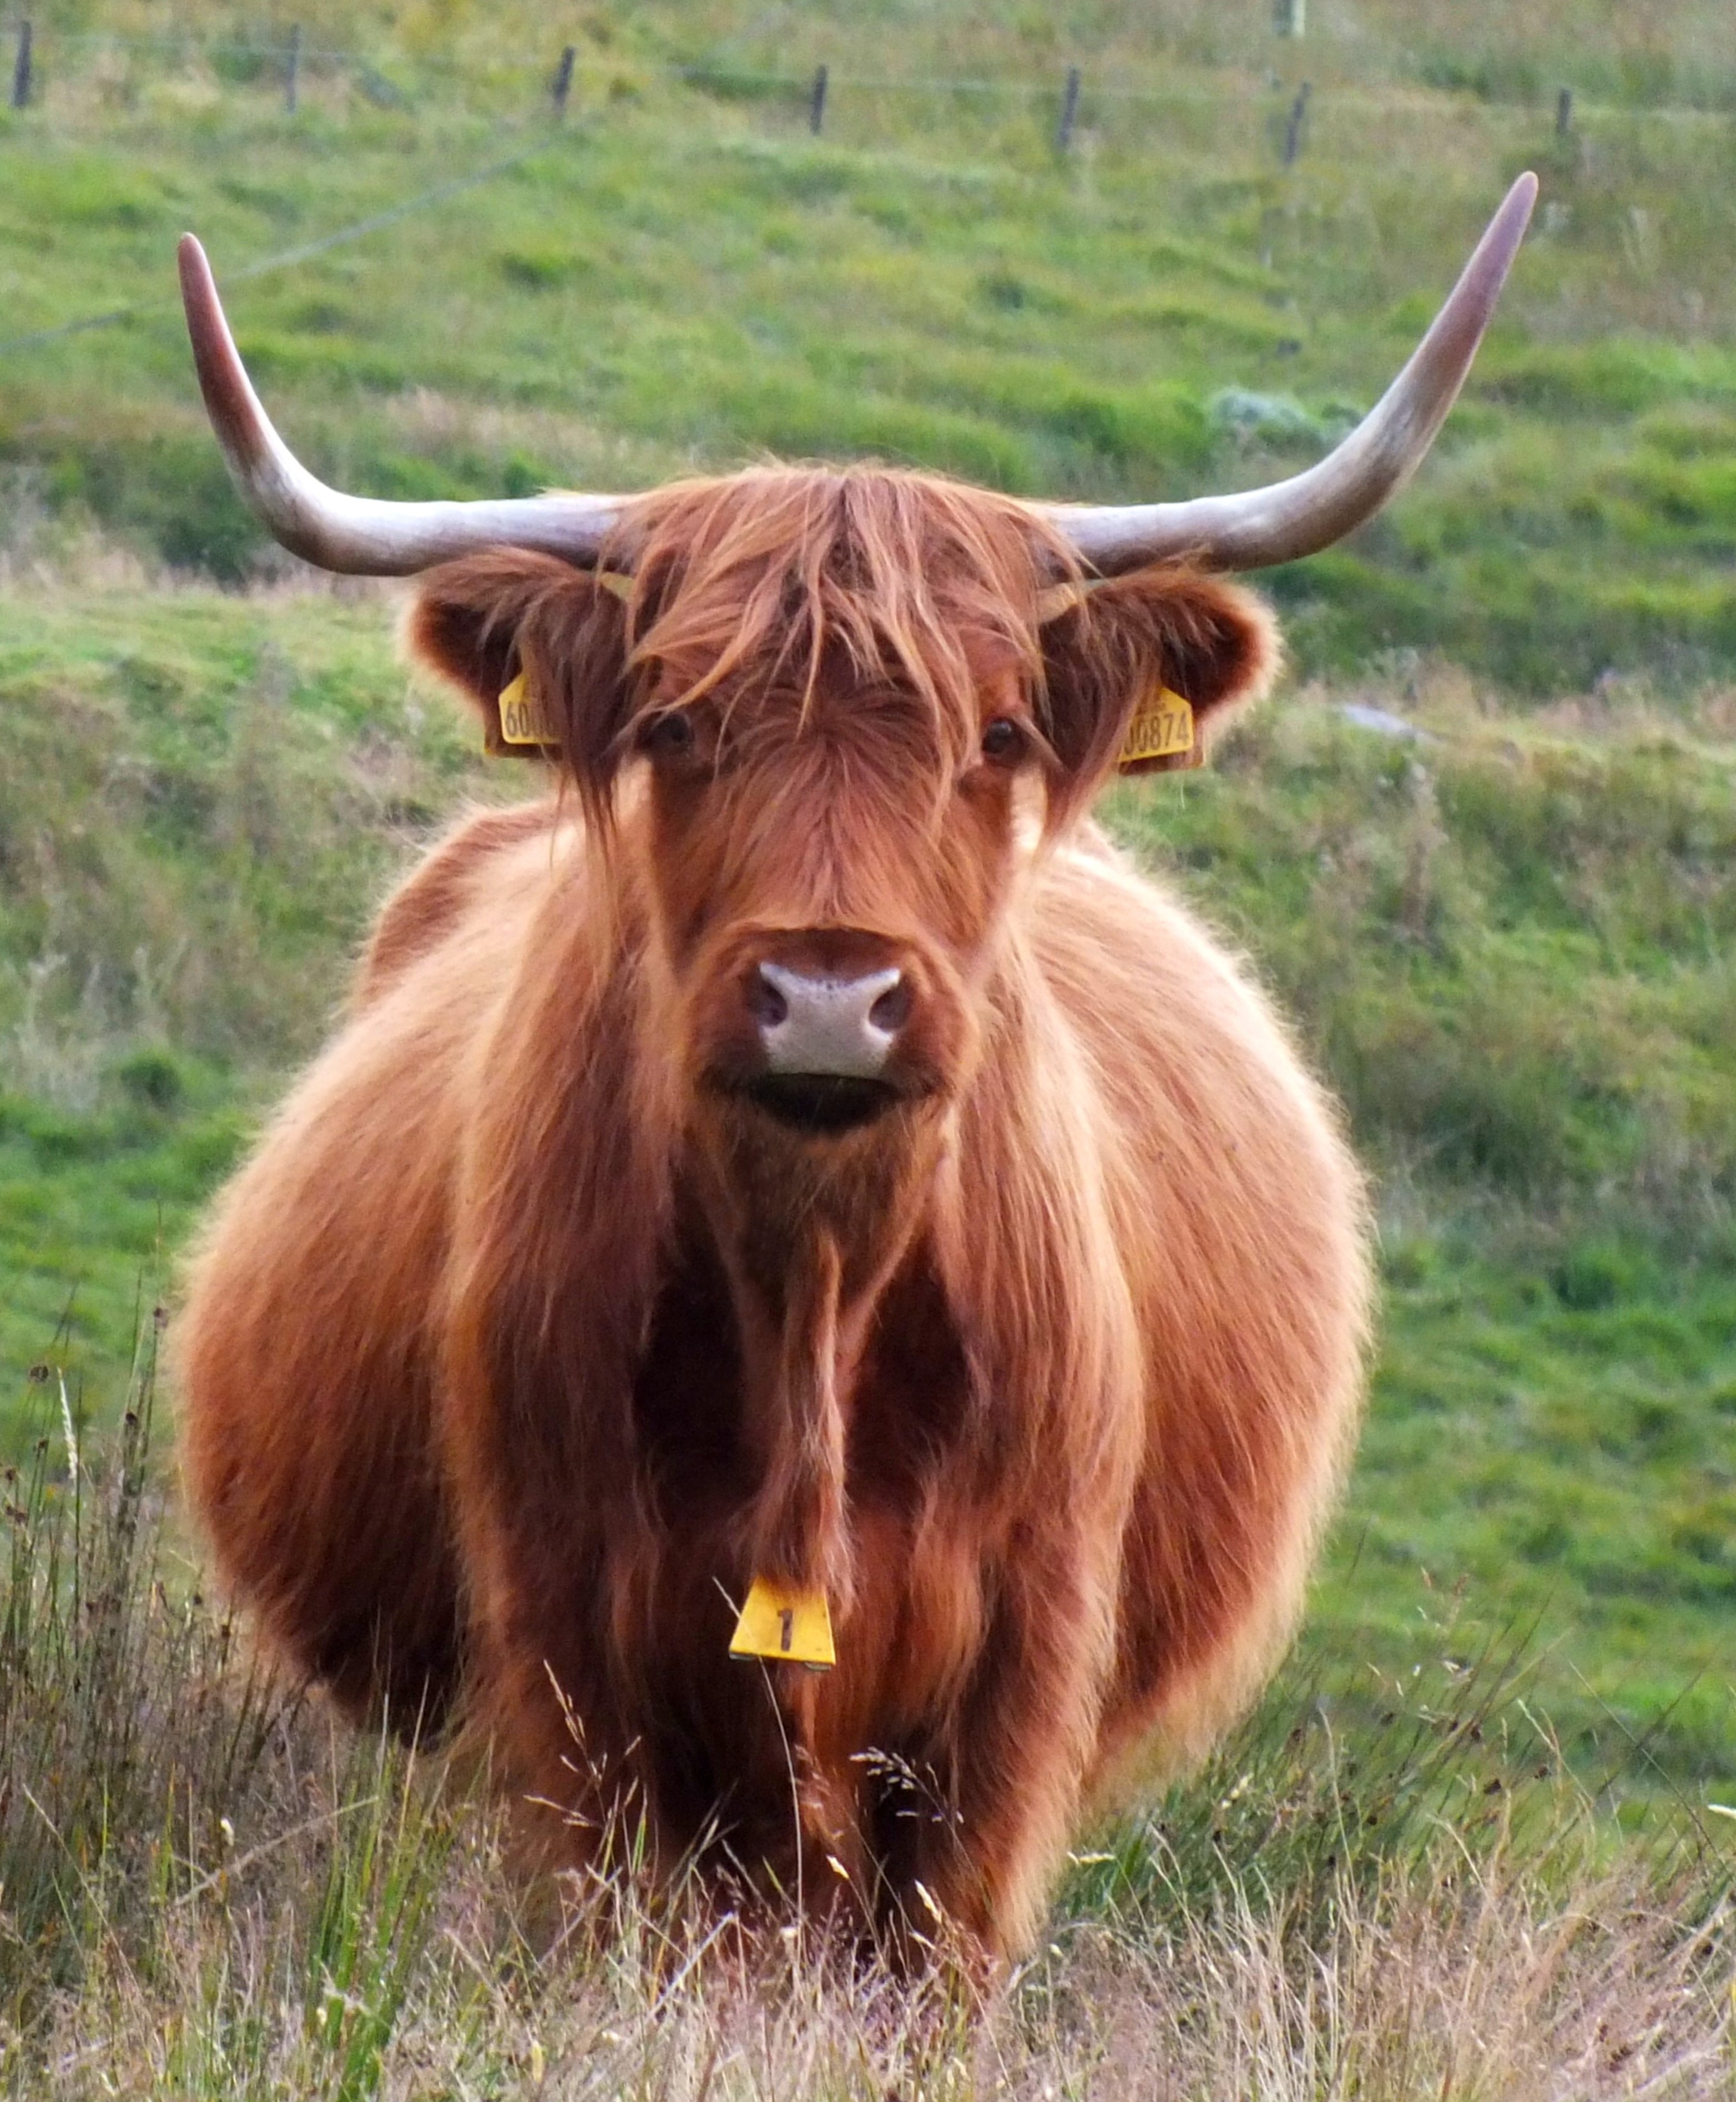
x=1533, y=1463
x=202, y=800
x=1508, y=947
x=682, y=277
x=93, y=1209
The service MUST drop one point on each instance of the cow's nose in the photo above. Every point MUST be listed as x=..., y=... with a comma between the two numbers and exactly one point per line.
x=818, y=1023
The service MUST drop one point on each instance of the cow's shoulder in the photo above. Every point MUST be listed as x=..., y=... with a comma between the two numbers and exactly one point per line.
x=1128, y=958
x=482, y=865
x=1175, y=1026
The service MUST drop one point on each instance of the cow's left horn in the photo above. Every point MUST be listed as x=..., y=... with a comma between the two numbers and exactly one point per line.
x=1288, y=520
x=361, y=535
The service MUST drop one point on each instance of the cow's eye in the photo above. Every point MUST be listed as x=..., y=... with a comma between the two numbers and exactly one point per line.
x=1003, y=740
x=669, y=736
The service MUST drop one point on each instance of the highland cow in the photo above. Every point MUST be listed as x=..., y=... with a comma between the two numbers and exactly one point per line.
x=796, y=1167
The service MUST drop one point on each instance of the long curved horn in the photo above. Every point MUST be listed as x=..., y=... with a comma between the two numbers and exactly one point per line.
x=360, y=535
x=1288, y=520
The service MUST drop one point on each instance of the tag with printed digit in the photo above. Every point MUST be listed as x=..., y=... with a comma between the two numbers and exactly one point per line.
x=784, y=1625
x=1162, y=728
x=522, y=729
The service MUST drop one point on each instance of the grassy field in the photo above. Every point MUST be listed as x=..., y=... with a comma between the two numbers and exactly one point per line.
x=1507, y=941
x=1464, y=1848
x=681, y=275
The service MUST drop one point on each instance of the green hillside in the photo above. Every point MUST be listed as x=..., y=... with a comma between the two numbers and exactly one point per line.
x=679, y=274
x=1509, y=944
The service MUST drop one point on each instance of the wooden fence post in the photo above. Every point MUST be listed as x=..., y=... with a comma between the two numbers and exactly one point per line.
x=1563, y=112
x=1064, y=131
x=21, y=68
x=292, y=69
x=817, y=101
x=1298, y=111
x=561, y=85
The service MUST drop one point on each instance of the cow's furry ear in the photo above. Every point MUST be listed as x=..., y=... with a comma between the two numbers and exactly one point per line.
x=481, y=621
x=1110, y=646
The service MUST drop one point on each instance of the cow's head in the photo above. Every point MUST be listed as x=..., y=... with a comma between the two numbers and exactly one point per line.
x=826, y=724
x=826, y=716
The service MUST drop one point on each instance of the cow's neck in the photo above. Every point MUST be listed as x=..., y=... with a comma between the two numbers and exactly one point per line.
x=809, y=1241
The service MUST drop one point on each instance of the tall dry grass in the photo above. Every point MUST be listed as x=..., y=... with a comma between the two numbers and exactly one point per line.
x=209, y=1889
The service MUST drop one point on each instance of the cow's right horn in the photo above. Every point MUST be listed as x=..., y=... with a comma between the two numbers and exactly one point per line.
x=361, y=535
x=1287, y=520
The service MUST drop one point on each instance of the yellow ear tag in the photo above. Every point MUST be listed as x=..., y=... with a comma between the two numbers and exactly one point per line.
x=788, y=1626
x=1162, y=726
x=523, y=725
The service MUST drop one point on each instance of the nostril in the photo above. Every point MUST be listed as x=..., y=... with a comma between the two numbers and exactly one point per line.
x=892, y=1011
x=766, y=1004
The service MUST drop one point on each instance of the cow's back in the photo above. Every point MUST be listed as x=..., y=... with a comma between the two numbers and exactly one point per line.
x=305, y=1347
x=1243, y=1222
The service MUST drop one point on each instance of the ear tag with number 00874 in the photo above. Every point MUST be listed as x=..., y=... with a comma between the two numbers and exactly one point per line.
x=1162, y=727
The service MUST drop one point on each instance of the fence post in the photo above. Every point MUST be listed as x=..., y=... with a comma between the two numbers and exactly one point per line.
x=561, y=85
x=1064, y=131
x=292, y=69
x=817, y=101
x=1298, y=110
x=1289, y=18
x=21, y=68
x=1563, y=112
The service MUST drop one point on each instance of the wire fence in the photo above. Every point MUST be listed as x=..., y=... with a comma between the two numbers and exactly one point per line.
x=289, y=58
x=1056, y=111
x=285, y=59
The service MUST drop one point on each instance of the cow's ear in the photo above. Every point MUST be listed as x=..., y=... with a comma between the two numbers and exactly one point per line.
x=488, y=619
x=1112, y=650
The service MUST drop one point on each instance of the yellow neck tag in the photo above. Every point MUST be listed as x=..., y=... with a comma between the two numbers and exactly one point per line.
x=523, y=722
x=788, y=1626
x=1163, y=725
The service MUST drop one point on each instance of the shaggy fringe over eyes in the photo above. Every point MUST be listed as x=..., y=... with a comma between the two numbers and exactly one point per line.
x=770, y=575
x=769, y=582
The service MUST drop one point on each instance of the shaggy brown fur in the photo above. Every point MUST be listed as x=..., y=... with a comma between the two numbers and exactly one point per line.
x=526, y=1339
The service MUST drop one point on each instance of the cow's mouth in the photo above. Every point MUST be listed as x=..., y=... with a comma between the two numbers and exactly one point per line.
x=822, y=1104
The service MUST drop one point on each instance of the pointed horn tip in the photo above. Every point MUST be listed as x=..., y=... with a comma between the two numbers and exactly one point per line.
x=1507, y=227
x=1260, y=529
x=1521, y=200
x=1493, y=257
x=199, y=299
